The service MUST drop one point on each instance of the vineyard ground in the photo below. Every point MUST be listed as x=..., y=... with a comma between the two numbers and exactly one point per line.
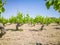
x=31, y=35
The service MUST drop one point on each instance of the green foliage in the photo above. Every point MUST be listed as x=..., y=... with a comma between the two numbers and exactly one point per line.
x=20, y=18
x=47, y=20
x=26, y=18
x=3, y=20
x=32, y=20
x=39, y=19
x=54, y=3
x=53, y=19
x=2, y=6
x=12, y=19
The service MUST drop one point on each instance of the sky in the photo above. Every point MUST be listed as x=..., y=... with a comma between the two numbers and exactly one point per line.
x=31, y=7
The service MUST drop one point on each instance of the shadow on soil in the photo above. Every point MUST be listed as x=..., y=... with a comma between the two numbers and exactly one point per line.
x=55, y=25
x=34, y=30
x=37, y=30
x=2, y=35
x=14, y=29
x=58, y=28
x=10, y=29
x=38, y=43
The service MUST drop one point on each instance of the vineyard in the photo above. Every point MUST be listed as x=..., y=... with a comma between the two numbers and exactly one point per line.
x=26, y=30
x=32, y=31
x=23, y=19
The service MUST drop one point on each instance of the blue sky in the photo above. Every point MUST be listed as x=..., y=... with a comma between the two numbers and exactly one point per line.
x=32, y=7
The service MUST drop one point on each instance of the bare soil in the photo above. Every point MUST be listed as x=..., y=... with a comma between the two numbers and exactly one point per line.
x=31, y=35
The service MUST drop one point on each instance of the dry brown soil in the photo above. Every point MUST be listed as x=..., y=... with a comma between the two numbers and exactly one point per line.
x=31, y=35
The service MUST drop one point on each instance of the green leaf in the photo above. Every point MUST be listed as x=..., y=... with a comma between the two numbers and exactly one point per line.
x=54, y=3
x=47, y=5
x=2, y=9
